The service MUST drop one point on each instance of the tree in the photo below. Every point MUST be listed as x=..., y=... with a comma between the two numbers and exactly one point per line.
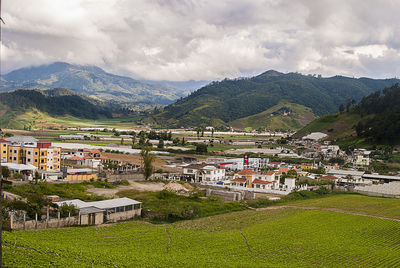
x=348, y=104
x=36, y=177
x=341, y=108
x=201, y=148
x=5, y=172
x=147, y=161
x=183, y=141
x=212, y=132
x=122, y=141
x=160, y=144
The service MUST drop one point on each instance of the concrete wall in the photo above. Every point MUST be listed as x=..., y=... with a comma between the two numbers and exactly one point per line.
x=77, y=177
x=43, y=224
x=133, y=176
x=99, y=219
x=125, y=215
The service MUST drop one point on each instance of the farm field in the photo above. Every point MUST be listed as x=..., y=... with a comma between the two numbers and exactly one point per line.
x=377, y=206
x=270, y=238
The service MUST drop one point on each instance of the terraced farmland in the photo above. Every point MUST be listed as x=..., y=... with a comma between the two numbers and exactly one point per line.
x=270, y=238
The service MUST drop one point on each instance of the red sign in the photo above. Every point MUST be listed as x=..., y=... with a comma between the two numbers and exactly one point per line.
x=246, y=159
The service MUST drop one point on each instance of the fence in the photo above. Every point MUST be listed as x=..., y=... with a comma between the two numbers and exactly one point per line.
x=42, y=224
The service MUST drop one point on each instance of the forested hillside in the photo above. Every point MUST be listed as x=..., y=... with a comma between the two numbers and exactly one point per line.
x=55, y=102
x=229, y=100
x=374, y=120
x=381, y=116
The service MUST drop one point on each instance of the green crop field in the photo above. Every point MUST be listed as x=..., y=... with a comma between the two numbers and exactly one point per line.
x=377, y=206
x=269, y=238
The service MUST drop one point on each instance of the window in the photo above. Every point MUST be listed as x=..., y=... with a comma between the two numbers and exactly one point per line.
x=110, y=210
x=29, y=160
x=42, y=154
x=15, y=151
x=29, y=152
x=41, y=168
x=136, y=206
x=42, y=161
x=4, y=152
x=15, y=158
x=35, y=160
x=120, y=209
x=36, y=153
x=127, y=208
x=10, y=158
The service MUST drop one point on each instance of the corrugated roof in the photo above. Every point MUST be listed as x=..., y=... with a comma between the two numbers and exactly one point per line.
x=89, y=210
x=104, y=204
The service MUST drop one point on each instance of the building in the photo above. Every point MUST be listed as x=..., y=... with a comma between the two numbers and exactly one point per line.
x=30, y=151
x=240, y=163
x=361, y=157
x=111, y=210
x=252, y=179
x=81, y=174
x=203, y=173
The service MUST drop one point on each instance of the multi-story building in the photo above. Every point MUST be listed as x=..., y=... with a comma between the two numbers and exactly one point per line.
x=30, y=151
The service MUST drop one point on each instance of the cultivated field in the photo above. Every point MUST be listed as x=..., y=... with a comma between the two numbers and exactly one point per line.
x=269, y=238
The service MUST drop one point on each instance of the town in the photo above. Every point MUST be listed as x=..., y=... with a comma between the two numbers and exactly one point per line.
x=250, y=166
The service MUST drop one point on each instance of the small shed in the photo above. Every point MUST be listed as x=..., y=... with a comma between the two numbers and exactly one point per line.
x=91, y=216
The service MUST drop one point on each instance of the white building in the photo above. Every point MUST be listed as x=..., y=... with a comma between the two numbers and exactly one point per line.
x=203, y=173
x=361, y=157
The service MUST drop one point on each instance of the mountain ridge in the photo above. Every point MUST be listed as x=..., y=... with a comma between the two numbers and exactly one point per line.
x=232, y=99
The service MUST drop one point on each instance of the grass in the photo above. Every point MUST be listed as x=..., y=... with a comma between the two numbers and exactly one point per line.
x=166, y=206
x=299, y=116
x=280, y=238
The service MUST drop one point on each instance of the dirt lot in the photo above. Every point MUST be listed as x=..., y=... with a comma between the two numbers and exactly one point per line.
x=143, y=186
x=135, y=159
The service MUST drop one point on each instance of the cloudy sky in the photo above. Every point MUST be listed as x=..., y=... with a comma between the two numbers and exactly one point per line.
x=205, y=40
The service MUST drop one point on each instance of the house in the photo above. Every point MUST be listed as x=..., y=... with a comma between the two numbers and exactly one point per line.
x=361, y=157
x=30, y=151
x=203, y=173
x=111, y=210
x=85, y=157
x=252, y=179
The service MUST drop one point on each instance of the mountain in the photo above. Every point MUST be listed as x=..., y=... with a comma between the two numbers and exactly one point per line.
x=15, y=105
x=374, y=120
x=91, y=81
x=221, y=103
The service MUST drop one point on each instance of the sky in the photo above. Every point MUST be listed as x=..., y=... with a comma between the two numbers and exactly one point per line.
x=180, y=40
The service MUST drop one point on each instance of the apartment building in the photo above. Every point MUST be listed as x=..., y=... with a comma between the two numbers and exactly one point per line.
x=30, y=151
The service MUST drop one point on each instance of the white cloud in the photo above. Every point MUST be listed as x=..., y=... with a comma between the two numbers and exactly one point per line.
x=204, y=39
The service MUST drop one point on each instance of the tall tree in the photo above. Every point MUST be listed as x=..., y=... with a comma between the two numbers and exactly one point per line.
x=147, y=162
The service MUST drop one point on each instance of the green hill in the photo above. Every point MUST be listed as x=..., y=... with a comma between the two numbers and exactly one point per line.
x=284, y=115
x=375, y=120
x=230, y=100
x=22, y=107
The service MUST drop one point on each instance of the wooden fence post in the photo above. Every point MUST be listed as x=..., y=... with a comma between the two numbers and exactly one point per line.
x=24, y=220
x=35, y=220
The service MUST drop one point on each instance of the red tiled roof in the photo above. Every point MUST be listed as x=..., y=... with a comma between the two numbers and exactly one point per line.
x=88, y=157
x=101, y=157
x=257, y=181
x=246, y=172
x=95, y=151
x=44, y=140
x=270, y=172
x=239, y=180
x=75, y=158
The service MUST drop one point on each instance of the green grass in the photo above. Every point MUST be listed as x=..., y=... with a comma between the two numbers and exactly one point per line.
x=378, y=206
x=167, y=206
x=299, y=116
x=281, y=238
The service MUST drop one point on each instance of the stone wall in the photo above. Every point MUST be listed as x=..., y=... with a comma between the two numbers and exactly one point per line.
x=44, y=224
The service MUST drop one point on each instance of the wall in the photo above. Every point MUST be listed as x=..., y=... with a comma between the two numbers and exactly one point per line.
x=76, y=177
x=43, y=224
x=119, y=216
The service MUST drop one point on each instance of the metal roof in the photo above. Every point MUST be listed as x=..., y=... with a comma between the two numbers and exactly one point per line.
x=14, y=166
x=21, y=139
x=89, y=210
x=377, y=176
x=104, y=204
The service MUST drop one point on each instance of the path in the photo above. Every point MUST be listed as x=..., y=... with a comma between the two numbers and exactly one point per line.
x=328, y=209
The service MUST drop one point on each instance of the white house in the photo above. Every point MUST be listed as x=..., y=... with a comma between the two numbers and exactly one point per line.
x=203, y=173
